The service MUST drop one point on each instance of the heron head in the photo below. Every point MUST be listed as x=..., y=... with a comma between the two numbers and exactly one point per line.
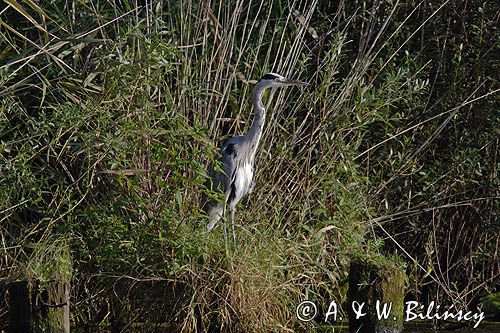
x=274, y=80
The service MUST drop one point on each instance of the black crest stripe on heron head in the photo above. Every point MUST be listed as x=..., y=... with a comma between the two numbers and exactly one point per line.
x=269, y=76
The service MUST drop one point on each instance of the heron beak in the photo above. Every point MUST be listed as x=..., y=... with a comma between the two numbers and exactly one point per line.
x=288, y=82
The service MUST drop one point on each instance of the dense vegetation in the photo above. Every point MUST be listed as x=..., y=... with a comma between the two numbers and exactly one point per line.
x=110, y=113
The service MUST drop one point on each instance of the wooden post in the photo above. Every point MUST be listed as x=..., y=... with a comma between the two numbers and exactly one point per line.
x=36, y=309
x=20, y=307
x=369, y=284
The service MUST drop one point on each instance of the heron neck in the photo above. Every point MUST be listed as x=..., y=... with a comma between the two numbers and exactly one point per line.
x=255, y=131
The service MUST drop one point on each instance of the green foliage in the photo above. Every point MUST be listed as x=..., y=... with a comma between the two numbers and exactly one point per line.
x=49, y=261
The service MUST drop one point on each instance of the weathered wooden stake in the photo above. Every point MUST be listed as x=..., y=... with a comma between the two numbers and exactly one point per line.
x=369, y=284
x=20, y=314
x=36, y=309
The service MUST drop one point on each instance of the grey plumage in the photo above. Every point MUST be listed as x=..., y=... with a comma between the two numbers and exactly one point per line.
x=238, y=155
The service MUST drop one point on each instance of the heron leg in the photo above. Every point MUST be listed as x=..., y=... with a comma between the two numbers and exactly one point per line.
x=224, y=223
x=233, y=211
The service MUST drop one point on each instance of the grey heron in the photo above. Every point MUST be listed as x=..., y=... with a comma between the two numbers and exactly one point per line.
x=238, y=155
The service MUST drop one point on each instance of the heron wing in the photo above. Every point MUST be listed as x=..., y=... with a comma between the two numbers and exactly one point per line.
x=229, y=158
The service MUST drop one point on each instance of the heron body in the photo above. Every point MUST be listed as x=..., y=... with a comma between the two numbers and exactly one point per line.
x=238, y=154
